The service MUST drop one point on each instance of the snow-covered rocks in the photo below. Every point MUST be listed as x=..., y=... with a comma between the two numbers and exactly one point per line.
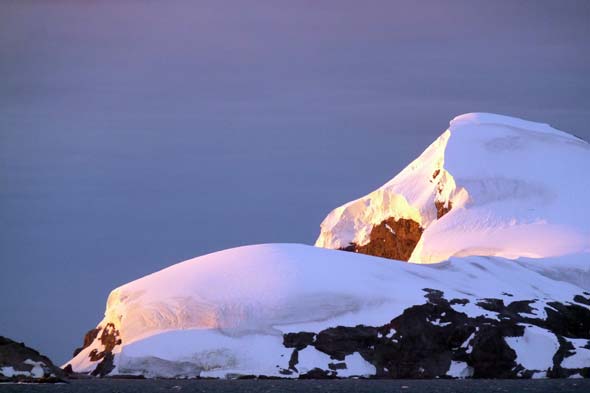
x=493, y=212
x=291, y=310
x=23, y=364
x=489, y=185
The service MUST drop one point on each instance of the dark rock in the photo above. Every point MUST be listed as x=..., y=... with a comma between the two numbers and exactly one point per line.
x=13, y=354
x=520, y=306
x=68, y=369
x=318, y=373
x=337, y=366
x=248, y=376
x=125, y=376
x=442, y=208
x=285, y=372
x=569, y=320
x=89, y=337
x=108, y=338
x=495, y=305
x=491, y=356
x=565, y=349
x=582, y=299
x=341, y=341
x=425, y=338
x=298, y=340
x=293, y=360
x=105, y=366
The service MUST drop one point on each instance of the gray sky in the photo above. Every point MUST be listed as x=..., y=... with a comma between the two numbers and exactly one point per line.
x=134, y=135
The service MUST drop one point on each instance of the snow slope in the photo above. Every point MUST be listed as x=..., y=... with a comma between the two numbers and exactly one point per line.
x=514, y=188
x=225, y=313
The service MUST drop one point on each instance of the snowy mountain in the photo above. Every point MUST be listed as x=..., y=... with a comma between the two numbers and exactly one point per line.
x=495, y=206
x=489, y=185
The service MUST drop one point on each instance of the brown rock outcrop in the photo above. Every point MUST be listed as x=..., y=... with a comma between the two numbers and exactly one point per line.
x=392, y=238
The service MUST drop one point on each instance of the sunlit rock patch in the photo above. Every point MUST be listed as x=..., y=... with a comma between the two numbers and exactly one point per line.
x=392, y=238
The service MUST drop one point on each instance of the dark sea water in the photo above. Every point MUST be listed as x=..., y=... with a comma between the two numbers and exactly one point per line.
x=268, y=386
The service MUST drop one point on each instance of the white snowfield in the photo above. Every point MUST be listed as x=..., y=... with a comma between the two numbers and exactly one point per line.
x=516, y=188
x=224, y=313
x=518, y=230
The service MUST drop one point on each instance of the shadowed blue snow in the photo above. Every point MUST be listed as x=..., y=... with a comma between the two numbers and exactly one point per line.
x=138, y=134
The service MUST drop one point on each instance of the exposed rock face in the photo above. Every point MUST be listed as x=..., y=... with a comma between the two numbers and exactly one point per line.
x=392, y=238
x=89, y=337
x=103, y=340
x=23, y=364
x=427, y=340
x=397, y=238
x=442, y=208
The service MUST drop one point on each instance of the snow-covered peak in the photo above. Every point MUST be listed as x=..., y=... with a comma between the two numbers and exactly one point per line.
x=489, y=185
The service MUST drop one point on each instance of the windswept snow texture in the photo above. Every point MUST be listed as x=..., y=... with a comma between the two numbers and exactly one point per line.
x=225, y=313
x=514, y=189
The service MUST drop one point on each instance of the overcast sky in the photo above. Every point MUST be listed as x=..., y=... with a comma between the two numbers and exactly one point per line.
x=137, y=134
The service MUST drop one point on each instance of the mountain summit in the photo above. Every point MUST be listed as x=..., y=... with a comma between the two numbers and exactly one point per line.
x=489, y=185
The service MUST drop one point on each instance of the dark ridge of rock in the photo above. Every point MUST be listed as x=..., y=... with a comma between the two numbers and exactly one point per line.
x=89, y=337
x=569, y=320
x=565, y=349
x=392, y=238
x=298, y=340
x=459, y=301
x=520, y=306
x=337, y=366
x=14, y=354
x=495, y=305
x=442, y=208
x=492, y=357
x=293, y=360
x=108, y=338
x=283, y=371
x=341, y=341
x=68, y=370
x=425, y=338
x=105, y=366
x=582, y=300
x=318, y=373
x=247, y=376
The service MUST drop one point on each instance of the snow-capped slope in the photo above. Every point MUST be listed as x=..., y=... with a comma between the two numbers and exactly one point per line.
x=489, y=185
x=231, y=312
x=495, y=213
